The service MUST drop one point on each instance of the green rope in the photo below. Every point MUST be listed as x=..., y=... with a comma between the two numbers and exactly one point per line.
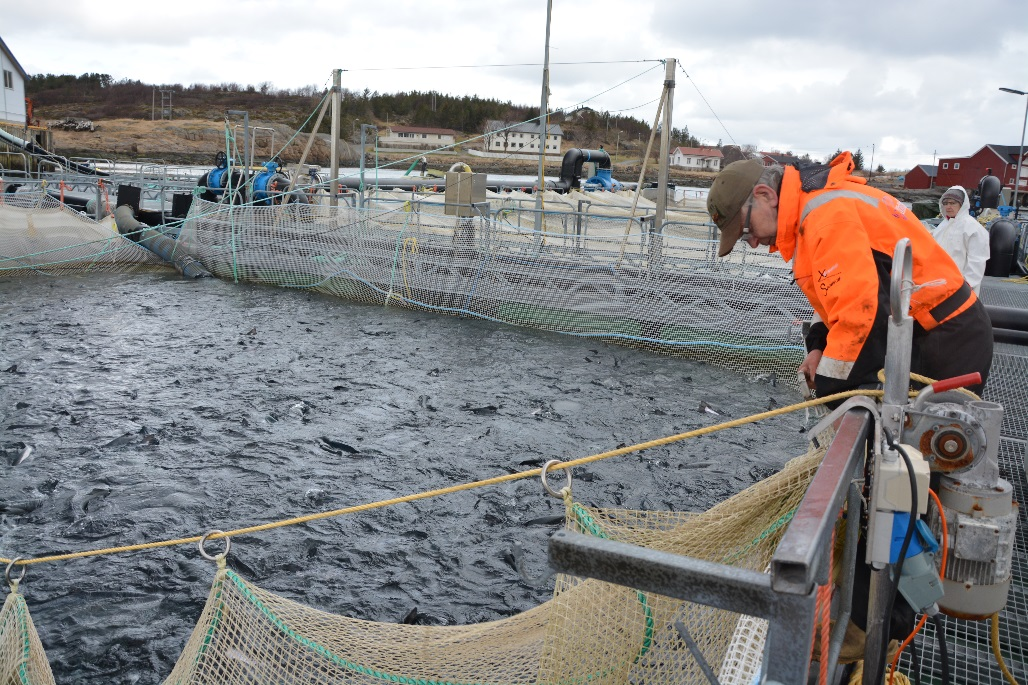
x=396, y=259
x=588, y=524
x=304, y=124
x=21, y=619
x=782, y=521
x=324, y=651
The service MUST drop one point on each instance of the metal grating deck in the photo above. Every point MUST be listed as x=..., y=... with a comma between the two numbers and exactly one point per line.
x=1005, y=292
x=968, y=642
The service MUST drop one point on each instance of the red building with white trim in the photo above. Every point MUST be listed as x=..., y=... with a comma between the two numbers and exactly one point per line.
x=998, y=160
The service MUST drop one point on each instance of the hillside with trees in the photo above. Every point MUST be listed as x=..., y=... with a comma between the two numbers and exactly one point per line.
x=98, y=96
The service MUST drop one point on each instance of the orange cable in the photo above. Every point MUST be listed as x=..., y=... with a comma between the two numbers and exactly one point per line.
x=826, y=615
x=942, y=572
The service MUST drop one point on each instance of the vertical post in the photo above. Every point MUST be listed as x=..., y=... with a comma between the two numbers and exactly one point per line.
x=931, y=180
x=246, y=150
x=1020, y=156
x=897, y=383
x=871, y=166
x=333, y=185
x=665, y=143
x=542, y=124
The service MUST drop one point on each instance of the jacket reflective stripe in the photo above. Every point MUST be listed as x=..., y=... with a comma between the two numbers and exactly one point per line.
x=830, y=195
x=834, y=368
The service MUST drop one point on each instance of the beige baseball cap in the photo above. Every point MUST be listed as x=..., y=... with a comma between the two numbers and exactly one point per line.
x=727, y=196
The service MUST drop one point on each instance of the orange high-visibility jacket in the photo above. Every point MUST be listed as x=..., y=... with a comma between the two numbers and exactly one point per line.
x=841, y=235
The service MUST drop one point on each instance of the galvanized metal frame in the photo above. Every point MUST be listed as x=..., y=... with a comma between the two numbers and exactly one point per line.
x=786, y=597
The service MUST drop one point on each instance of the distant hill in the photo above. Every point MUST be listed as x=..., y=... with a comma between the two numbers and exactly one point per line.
x=98, y=97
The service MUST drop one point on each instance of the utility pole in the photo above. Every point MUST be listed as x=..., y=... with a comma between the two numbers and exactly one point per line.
x=665, y=144
x=333, y=184
x=871, y=167
x=542, y=124
x=931, y=181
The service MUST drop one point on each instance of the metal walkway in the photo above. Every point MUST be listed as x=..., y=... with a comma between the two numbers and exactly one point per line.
x=968, y=642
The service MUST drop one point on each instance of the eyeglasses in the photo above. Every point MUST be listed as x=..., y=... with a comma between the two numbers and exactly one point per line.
x=749, y=215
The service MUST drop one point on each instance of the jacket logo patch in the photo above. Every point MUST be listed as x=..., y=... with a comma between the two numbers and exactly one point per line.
x=898, y=208
x=828, y=277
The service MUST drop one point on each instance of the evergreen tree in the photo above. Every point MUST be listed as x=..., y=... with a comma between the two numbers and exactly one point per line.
x=858, y=160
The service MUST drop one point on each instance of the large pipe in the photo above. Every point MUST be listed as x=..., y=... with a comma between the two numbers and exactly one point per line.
x=1008, y=317
x=158, y=243
x=37, y=151
x=571, y=166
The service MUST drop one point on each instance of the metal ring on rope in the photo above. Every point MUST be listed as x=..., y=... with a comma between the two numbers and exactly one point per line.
x=546, y=485
x=216, y=557
x=7, y=573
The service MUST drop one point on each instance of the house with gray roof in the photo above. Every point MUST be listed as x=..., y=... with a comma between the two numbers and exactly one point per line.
x=504, y=136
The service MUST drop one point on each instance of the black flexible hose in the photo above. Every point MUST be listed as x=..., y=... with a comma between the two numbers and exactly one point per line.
x=940, y=636
x=915, y=663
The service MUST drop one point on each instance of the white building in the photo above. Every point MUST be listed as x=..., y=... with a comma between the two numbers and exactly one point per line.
x=697, y=158
x=12, y=96
x=506, y=137
x=417, y=137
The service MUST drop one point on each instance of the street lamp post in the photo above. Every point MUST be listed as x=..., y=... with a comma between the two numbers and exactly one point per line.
x=1020, y=150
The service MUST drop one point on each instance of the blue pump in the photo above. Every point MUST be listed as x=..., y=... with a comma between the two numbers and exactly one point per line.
x=265, y=183
x=604, y=180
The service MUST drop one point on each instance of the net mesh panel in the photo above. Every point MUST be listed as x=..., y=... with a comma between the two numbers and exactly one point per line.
x=39, y=235
x=590, y=632
x=22, y=659
x=590, y=275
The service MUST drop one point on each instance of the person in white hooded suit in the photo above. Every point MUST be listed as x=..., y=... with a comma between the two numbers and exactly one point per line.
x=962, y=236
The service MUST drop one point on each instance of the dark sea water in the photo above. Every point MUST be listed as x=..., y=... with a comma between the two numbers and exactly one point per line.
x=160, y=408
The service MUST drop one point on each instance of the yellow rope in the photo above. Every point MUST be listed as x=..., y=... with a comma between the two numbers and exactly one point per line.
x=995, y=650
x=454, y=488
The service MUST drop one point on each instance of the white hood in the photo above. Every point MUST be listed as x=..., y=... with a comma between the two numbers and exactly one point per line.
x=965, y=241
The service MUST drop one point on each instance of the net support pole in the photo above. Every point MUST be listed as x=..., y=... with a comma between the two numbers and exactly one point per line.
x=665, y=143
x=544, y=106
x=337, y=84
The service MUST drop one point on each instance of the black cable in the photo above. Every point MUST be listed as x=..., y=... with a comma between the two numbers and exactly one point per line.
x=943, y=650
x=915, y=662
x=906, y=538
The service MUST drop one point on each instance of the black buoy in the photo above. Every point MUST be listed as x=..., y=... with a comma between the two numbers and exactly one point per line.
x=1002, y=248
x=989, y=192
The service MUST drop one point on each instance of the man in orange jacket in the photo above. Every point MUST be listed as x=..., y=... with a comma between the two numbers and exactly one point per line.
x=840, y=236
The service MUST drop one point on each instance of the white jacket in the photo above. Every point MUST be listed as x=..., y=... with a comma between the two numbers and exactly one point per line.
x=966, y=242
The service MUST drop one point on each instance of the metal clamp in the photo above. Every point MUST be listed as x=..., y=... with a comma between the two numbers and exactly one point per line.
x=546, y=486
x=13, y=582
x=224, y=552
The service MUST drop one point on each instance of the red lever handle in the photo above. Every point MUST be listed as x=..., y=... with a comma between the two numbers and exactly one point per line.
x=957, y=382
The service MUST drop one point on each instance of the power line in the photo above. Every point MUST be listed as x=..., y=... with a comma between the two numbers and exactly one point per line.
x=706, y=103
x=487, y=66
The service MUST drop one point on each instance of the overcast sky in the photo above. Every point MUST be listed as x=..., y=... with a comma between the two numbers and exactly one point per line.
x=910, y=77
